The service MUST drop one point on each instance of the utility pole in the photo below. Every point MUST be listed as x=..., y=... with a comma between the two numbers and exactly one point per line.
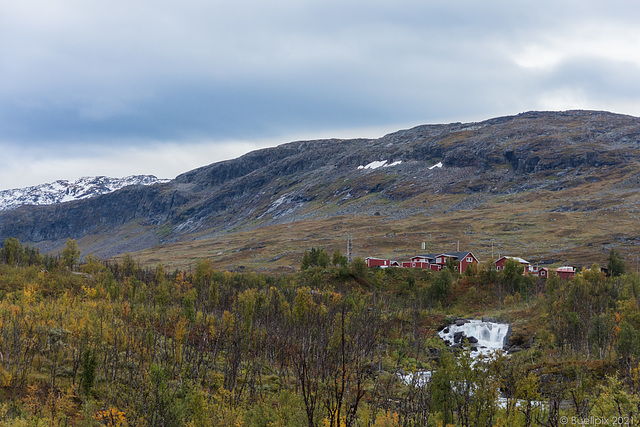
x=349, y=248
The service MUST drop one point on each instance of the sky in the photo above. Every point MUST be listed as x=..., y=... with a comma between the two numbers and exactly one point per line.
x=160, y=87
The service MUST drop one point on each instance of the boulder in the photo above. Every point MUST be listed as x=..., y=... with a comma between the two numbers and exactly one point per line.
x=507, y=339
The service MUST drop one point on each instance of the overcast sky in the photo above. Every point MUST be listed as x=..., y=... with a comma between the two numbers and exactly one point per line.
x=161, y=87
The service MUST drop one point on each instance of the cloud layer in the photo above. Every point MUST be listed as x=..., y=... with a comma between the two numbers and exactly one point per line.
x=154, y=75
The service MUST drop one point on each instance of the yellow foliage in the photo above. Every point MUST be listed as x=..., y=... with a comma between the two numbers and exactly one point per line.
x=111, y=417
x=181, y=330
x=613, y=400
x=31, y=401
x=5, y=377
x=507, y=420
x=227, y=320
x=211, y=325
x=29, y=292
x=182, y=283
x=390, y=419
x=227, y=277
x=635, y=377
x=126, y=309
x=327, y=423
x=4, y=409
x=439, y=423
x=91, y=293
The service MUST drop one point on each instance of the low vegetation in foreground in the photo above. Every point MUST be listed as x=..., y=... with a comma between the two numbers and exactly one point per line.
x=120, y=345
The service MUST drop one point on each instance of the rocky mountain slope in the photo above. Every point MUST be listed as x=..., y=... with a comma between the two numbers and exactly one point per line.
x=64, y=191
x=503, y=180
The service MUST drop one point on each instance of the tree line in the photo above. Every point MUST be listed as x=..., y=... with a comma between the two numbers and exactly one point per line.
x=336, y=344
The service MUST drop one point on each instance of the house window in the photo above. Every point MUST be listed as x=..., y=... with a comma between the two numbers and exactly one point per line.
x=469, y=259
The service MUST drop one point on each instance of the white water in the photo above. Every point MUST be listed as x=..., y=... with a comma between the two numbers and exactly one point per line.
x=491, y=336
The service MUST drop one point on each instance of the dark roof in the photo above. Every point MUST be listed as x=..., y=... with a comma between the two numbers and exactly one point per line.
x=457, y=255
x=428, y=256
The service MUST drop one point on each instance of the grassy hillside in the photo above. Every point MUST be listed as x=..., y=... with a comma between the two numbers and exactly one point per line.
x=576, y=226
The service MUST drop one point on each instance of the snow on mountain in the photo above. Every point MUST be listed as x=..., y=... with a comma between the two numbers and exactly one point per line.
x=380, y=164
x=64, y=191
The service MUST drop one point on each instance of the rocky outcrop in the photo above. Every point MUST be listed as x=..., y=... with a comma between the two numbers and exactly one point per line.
x=150, y=205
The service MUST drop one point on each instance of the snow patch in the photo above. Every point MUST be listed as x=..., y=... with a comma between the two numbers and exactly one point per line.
x=380, y=164
x=437, y=165
x=373, y=165
x=393, y=164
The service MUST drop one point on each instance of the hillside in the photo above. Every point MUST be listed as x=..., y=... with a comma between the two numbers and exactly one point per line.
x=557, y=187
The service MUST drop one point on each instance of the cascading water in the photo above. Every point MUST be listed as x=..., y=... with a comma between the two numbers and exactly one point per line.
x=484, y=337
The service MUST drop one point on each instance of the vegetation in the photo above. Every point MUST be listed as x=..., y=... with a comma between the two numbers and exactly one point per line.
x=119, y=344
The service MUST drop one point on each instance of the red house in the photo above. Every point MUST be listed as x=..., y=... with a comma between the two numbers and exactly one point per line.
x=502, y=261
x=465, y=259
x=566, y=272
x=377, y=262
x=437, y=262
x=415, y=264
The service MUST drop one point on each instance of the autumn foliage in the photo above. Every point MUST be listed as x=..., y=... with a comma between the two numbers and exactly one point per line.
x=118, y=344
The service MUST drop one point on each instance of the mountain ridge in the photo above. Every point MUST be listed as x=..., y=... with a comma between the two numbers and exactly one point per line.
x=580, y=161
x=62, y=190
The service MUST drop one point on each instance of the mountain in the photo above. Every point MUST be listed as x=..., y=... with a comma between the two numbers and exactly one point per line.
x=64, y=191
x=555, y=186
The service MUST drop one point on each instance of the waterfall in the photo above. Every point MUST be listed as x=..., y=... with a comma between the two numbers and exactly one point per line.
x=484, y=337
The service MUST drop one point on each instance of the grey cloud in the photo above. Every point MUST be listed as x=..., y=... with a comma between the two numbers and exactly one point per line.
x=600, y=79
x=80, y=71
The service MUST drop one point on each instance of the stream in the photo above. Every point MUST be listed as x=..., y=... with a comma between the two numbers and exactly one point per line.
x=484, y=338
